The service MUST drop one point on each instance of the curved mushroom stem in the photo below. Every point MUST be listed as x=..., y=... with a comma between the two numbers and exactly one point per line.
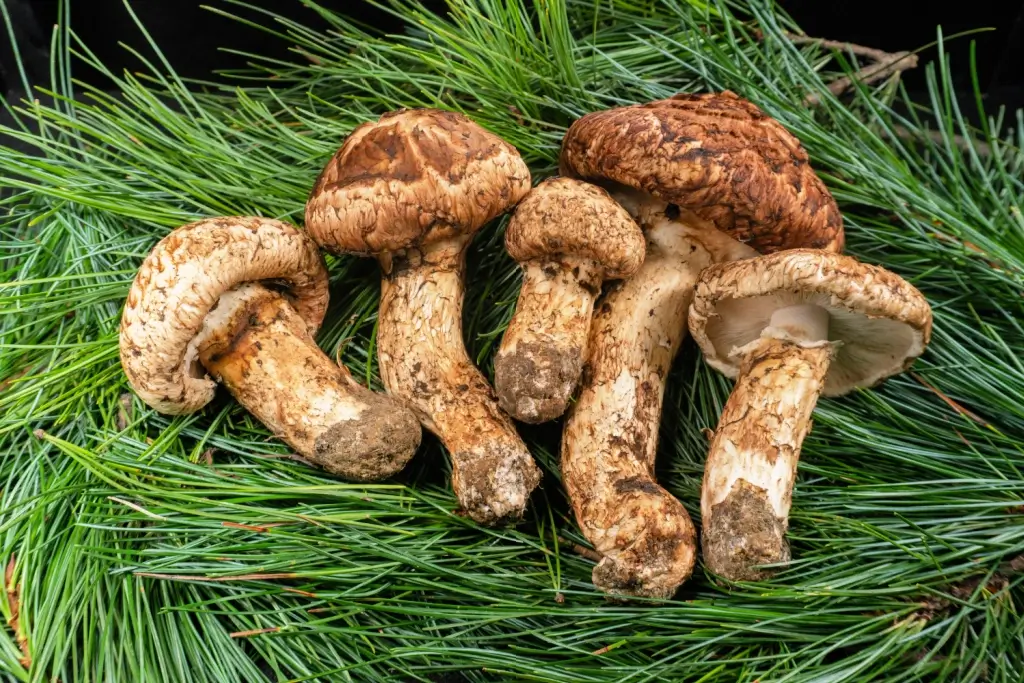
x=538, y=365
x=423, y=359
x=611, y=437
x=255, y=343
x=752, y=460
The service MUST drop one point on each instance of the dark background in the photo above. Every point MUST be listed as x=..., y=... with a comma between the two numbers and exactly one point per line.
x=190, y=36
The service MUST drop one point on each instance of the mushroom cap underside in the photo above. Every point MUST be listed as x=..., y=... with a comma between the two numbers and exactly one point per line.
x=182, y=279
x=717, y=155
x=881, y=322
x=412, y=177
x=571, y=218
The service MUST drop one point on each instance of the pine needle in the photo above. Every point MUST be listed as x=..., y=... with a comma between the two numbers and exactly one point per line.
x=138, y=559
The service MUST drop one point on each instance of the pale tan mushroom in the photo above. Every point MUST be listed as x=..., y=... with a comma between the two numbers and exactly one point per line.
x=709, y=178
x=241, y=298
x=788, y=326
x=569, y=237
x=412, y=189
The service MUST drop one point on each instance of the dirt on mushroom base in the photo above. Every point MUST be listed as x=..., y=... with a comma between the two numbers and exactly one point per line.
x=537, y=380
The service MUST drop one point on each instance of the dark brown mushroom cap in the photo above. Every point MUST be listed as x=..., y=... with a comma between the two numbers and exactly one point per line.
x=565, y=217
x=880, y=322
x=717, y=155
x=181, y=281
x=413, y=177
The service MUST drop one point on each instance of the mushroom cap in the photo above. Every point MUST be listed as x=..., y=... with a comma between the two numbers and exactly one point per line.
x=717, y=155
x=181, y=281
x=566, y=217
x=881, y=321
x=413, y=177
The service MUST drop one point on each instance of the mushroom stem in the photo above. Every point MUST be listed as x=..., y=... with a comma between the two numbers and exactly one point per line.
x=752, y=460
x=255, y=343
x=611, y=436
x=541, y=356
x=423, y=359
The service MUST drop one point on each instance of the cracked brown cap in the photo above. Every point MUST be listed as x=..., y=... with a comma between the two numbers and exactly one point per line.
x=181, y=281
x=717, y=155
x=879, y=321
x=413, y=177
x=565, y=217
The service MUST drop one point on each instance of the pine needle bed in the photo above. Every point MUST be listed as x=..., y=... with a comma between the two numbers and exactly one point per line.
x=142, y=548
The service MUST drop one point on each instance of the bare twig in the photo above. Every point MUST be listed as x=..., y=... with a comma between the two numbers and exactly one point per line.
x=883, y=64
x=874, y=54
x=948, y=401
x=580, y=550
x=254, y=632
x=897, y=63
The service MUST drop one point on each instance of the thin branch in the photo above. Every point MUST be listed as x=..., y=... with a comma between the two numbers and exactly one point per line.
x=254, y=632
x=582, y=551
x=897, y=63
x=883, y=64
x=874, y=54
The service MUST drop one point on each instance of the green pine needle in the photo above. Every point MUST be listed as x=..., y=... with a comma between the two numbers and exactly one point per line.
x=144, y=548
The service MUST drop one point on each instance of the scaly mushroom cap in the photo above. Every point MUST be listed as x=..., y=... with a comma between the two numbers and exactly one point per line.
x=881, y=322
x=183, y=278
x=413, y=177
x=565, y=217
x=717, y=155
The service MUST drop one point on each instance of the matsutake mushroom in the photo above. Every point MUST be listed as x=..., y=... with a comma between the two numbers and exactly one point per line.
x=412, y=189
x=709, y=178
x=240, y=298
x=788, y=327
x=569, y=237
